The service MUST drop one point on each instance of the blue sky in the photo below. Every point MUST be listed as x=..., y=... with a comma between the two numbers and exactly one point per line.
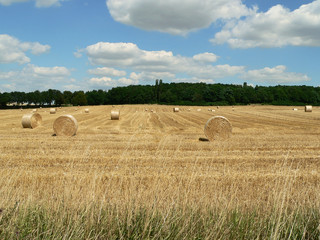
x=99, y=44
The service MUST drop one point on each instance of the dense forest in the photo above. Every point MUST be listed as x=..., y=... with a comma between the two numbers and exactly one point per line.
x=169, y=93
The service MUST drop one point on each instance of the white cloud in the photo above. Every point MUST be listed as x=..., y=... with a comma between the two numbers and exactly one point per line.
x=206, y=57
x=32, y=77
x=276, y=75
x=275, y=28
x=14, y=51
x=105, y=71
x=127, y=81
x=38, y=3
x=174, y=16
x=146, y=66
x=112, y=82
x=157, y=64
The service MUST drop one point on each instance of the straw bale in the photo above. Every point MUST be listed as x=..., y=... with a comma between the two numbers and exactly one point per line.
x=86, y=110
x=52, y=110
x=176, y=109
x=218, y=128
x=65, y=125
x=295, y=109
x=34, y=110
x=199, y=110
x=115, y=115
x=308, y=108
x=31, y=120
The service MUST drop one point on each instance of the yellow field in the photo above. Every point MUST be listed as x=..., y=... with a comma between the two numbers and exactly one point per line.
x=145, y=158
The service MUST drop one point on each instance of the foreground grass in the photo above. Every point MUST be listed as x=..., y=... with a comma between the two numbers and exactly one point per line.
x=110, y=222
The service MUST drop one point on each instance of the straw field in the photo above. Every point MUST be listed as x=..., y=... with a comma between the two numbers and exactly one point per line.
x=147, y=176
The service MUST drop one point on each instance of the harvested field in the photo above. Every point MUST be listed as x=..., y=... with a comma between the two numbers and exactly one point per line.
x=156, y=159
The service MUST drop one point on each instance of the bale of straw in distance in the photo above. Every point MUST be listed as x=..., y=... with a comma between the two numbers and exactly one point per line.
x=218, y=128
x=115, y=115
x=31, y=120
x=65, y=125
x=52, y=110
x=34, y=110
x=176, y=109
x=295, y=109
x=308, y=108
x=86, y=110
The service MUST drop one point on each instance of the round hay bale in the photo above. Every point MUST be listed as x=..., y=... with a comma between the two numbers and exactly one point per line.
x=176, y=109
x=34, y=110
x=115, y=115
x=308, y=108
x=86, y=110
x=31, y=120
x=65, y=125
x=218, y=128
x=295, y=109
x=198, y=110
x=52, y=111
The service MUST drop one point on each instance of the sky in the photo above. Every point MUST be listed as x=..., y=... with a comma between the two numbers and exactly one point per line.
x=100, y=44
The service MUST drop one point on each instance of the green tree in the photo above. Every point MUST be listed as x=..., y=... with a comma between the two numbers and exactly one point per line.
x=79, y=98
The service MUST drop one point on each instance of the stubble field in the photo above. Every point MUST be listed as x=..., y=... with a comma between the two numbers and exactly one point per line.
x=153, y=162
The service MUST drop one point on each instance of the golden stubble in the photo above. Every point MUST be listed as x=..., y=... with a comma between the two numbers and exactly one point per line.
x=154, y=159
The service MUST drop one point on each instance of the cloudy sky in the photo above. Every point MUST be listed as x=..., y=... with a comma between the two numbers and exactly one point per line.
x=99, y=44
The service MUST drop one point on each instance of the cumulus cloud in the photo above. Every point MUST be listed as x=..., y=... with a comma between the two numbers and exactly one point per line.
x=276, y=75
x=38, y=3
x=14, y=51
x=156, y=64
x=33, y=77
x=111, y=82
x=105, y=71
x=275, y=28
x=206, y=57
x=174, y=16
x=146, y=66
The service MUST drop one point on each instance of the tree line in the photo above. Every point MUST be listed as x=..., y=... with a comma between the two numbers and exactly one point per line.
x=169, y=93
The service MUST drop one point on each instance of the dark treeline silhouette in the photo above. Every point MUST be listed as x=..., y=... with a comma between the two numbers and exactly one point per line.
x=170, y=93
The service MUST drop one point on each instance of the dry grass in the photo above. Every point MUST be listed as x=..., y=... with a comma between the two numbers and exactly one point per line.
x=271, y=162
